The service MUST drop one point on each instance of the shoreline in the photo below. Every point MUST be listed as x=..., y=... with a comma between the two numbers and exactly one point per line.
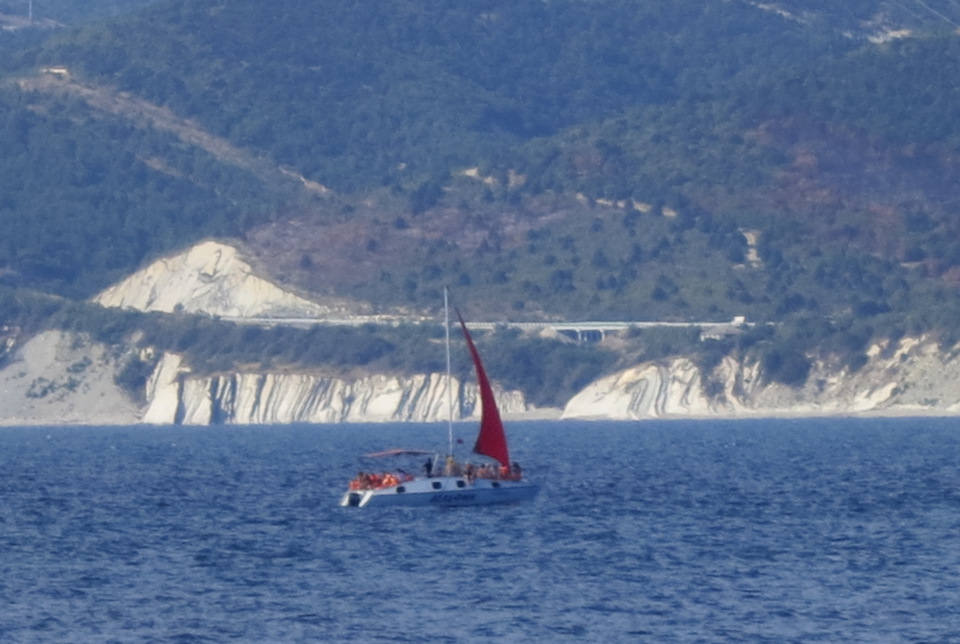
x=536, y=415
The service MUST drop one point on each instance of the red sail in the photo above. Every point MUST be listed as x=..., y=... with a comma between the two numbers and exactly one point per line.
x=491, y=441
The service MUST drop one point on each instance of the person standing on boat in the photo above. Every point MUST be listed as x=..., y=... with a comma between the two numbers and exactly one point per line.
x=428, y=467
x=452, y=468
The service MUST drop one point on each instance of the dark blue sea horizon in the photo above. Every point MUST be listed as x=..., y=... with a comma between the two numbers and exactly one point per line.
x=826, y=530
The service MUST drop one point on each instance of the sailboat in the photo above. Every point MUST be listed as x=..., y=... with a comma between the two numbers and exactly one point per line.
x=448, y=482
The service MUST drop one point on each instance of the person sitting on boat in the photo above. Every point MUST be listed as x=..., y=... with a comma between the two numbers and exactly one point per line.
x=389, y=480
x=363, y=481
x=516, y=472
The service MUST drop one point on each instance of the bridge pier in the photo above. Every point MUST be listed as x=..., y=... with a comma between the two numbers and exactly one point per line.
x=583, y=335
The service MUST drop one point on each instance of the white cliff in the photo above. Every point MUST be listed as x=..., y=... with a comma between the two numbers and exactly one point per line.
x=65, y=378
x=911, y=376
x=176, y=396
x=163, y=391
x=208, y=278
x=58, y=378
x=650, y=390
x=61, y=378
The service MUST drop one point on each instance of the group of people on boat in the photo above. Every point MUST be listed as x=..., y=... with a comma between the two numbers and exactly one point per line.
x=374, y=481
x=469, y=471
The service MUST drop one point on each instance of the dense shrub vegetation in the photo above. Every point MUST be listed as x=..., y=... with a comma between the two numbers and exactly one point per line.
x=683, y=125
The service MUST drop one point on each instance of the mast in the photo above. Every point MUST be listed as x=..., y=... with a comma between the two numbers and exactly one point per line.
x=446, y=328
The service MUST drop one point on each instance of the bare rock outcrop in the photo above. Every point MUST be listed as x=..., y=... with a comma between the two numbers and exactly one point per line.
x=910, y=376
x=65, y=378
x=213, y=279
x=178, y=397
x=58, y=378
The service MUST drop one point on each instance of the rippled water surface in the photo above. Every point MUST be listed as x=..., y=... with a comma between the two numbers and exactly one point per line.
x=773, y=531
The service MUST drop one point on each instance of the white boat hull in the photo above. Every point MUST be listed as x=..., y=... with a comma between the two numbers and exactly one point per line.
x=443, y=491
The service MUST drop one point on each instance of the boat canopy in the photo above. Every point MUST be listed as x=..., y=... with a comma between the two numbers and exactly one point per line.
x=399, y=452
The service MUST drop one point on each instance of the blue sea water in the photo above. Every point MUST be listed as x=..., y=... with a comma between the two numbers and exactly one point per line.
x=757, y=531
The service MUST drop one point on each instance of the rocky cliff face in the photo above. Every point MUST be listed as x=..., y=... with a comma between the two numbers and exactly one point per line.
x=63, y=378
x=246, y=398
x=911, y=376
x=60, y=378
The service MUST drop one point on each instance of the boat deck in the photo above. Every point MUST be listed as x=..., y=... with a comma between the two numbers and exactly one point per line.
x=443, y=491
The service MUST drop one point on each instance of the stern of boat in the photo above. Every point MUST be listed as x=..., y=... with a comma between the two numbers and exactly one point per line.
x=355, y=498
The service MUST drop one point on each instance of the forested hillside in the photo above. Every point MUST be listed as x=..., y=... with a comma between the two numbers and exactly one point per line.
x=70, y=11
x=794, y=162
